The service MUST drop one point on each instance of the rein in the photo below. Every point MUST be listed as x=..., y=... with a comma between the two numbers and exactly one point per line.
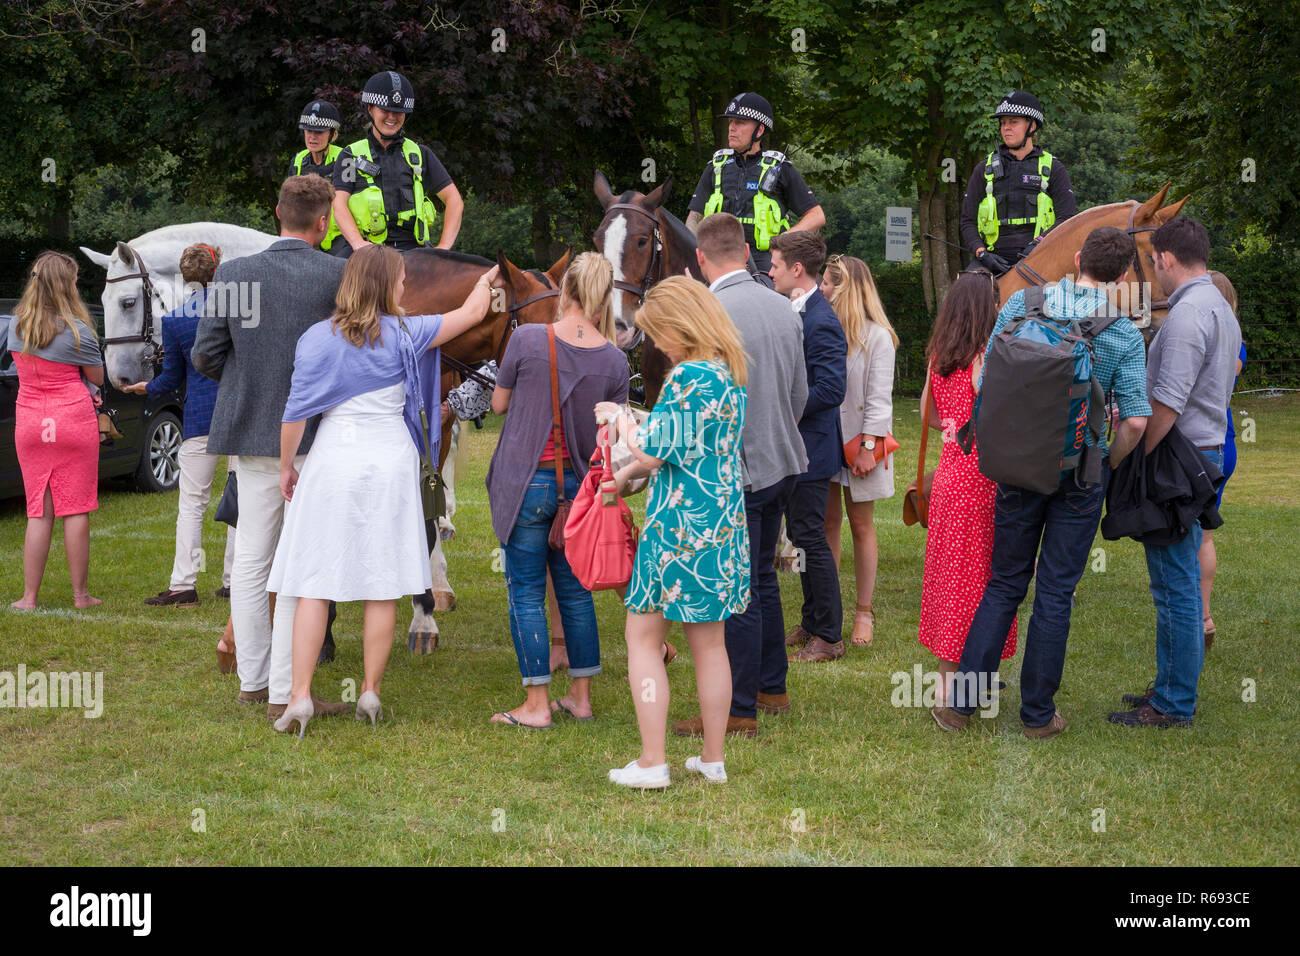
x=512, y=310
x=145, y=335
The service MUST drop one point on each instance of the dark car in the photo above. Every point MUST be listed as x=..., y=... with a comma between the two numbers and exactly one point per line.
x=150, y=444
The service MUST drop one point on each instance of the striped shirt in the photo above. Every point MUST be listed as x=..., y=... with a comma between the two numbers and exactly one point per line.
x=1119, y=359
x=178, y=330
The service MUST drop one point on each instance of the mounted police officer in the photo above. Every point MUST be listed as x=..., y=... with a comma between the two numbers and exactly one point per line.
x=384, y=184
x=1018, y=193
x=759, y=187
x=320, y=125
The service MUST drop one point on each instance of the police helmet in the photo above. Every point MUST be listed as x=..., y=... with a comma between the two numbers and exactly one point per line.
x=749, y=106
x=1020, y=103
x=319, y=115
x=390, y=91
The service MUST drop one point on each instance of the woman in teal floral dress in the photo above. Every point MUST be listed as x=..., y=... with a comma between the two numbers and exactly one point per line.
x=692, y=562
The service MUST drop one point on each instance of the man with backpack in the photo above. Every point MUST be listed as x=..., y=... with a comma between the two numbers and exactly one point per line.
x=1049, y=495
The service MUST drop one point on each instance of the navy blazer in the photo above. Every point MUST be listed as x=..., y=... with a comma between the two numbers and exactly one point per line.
x=825, y=354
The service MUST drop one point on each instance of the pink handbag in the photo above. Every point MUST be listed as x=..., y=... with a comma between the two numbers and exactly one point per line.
x=600, y=536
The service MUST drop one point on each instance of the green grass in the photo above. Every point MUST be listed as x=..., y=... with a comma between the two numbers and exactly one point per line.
x=871, y=783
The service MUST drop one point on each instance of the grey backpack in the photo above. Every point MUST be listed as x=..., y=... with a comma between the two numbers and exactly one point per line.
x=1038, y=400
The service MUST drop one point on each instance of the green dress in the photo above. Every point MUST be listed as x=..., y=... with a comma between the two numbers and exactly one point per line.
x=692, y=562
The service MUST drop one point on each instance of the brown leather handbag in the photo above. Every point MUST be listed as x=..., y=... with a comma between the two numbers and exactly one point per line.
x=556, y=539
x=916, y=502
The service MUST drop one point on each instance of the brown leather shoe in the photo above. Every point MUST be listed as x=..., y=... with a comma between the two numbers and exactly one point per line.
x=187, y=598
x=949, y=719
x=736, y=727
x=1049, y=729
x=817, y=650
x=773, y=703
x=798, y=637
x=276, y=711
x=254, y=696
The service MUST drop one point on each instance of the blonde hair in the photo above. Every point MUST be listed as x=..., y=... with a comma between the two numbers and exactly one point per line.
x=856, y=300
x=368, y=287
x=589, y=283
x=49, y=301
x=685, y=315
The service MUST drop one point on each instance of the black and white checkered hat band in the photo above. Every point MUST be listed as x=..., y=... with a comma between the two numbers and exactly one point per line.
x=311, y=119
x=748, y=112
x=389, y=101
x=1006, y=108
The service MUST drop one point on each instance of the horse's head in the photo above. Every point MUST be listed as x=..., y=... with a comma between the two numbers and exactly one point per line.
x=1145, y=219
x=136, y=296
x=632, y=236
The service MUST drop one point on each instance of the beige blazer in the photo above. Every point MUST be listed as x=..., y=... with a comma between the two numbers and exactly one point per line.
x=868, y=409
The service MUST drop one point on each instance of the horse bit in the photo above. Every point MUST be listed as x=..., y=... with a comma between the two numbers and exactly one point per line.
x=153, y=350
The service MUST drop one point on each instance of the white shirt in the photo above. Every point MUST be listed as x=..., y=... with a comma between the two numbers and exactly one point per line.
x=802, y=300
x=713, y=286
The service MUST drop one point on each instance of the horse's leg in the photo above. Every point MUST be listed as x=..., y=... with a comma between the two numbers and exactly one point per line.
x=423, y=635
x=444, y=599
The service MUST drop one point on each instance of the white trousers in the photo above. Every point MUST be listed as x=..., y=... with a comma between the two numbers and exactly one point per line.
x=263, y=662
x=197, y=469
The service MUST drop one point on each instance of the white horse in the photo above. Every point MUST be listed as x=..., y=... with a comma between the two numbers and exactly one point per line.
x=144, y=283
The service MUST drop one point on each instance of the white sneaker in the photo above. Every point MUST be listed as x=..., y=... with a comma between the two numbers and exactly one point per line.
x=644, y=778
x=713, y=772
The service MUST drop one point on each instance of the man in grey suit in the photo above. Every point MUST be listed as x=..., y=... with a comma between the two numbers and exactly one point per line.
x=773, y=455
x=260, y=306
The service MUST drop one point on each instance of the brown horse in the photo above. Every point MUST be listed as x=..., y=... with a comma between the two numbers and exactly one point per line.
x=1053, y=258
x=438, y=281
x=643, y=240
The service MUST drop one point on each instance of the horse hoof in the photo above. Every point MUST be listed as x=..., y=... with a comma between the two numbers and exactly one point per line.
x=422, y=642
x=444, y=601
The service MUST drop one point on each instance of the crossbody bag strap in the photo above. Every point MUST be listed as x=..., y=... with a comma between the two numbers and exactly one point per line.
x=925, y=432
x=426, y=453
x=556, y=433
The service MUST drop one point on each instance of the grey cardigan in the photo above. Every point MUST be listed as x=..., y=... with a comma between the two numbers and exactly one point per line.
x=258, y=306
x=771, y=447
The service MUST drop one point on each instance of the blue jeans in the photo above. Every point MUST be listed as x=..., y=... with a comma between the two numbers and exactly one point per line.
x=527, y=556
x=756, y=637
x=1058, y=530
x=1180, y=636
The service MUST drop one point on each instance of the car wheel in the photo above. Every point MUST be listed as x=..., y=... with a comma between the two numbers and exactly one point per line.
x=160, y=458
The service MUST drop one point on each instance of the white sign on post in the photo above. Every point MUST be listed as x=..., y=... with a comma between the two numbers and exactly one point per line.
x=898, y=234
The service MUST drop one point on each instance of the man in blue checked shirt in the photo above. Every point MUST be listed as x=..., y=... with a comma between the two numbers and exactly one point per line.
x=1065, y=521
x=198, y=263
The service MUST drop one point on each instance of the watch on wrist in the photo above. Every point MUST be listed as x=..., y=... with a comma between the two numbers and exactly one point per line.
x=869, y=444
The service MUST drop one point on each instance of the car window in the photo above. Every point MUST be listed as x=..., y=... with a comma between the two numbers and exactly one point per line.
x=6, y=360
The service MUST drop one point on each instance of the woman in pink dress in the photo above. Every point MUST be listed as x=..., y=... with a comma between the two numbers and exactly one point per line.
x=56, y=432
x=959, y=544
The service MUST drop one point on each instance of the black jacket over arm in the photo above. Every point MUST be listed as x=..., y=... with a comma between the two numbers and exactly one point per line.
x=1155, y=498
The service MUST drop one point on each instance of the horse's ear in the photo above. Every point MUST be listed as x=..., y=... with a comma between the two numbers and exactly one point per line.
x=659, y=195
x=125, y=254
x=603, y=193
x=1147, y=211
x=98, y=258
x=556, y=272
x=1170, y=211
x=508, y=270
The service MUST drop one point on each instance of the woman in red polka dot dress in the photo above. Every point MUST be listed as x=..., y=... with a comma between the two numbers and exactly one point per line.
x=959, y=543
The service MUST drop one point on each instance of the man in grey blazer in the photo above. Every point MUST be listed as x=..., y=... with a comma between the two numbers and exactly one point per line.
x=773, y=455
x=246, y=340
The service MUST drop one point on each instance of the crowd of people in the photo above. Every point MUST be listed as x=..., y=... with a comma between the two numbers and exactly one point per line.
x=778, y=411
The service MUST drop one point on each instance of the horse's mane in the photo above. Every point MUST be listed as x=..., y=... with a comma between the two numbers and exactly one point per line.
x=1095, y=212
x=452, y=256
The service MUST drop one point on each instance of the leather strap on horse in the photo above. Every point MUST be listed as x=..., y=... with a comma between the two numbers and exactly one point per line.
x=145, y=335
x=1137, y=261
x=656, y=248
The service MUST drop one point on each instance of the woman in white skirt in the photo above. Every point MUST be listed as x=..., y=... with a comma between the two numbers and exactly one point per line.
x=867, y=411
x=354, y=528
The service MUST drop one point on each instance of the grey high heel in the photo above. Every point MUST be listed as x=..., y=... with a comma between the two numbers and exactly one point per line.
x=368, y=706
x=301, y=712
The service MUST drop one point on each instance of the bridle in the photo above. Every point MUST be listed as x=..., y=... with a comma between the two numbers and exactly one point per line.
x=153, y=350
x=512, y=310
x=1132, y=230
x=656, y=251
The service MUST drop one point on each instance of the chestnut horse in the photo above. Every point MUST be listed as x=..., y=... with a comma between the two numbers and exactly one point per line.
x=643, y=240
x=438, y=281
x=1053, y=258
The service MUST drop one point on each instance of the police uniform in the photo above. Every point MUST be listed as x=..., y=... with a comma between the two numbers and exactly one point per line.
x=304, y=165
x=395, y=179
x=740, y=180
x=320, y=116
x=1016, y=186
x=1011, y=202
